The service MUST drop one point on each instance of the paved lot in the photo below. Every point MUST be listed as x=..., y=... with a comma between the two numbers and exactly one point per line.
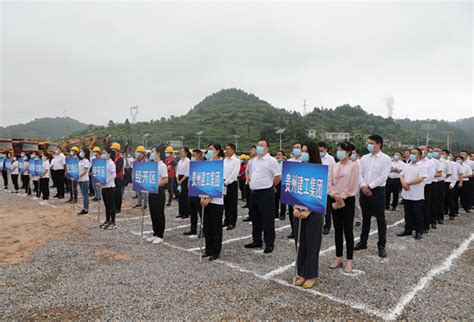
x=110, y=274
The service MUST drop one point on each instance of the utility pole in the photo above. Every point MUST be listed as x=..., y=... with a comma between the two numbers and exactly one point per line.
x=133, y=113
x=236, y=136
x=448, y=134
x=304, y=110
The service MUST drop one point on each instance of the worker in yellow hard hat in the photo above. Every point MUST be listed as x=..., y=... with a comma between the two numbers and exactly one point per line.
x=171, y=164
x=115, y=146
x=72, y=183
x=116, y=156
x=141, y=197
x=93, y=187
x=96, y=149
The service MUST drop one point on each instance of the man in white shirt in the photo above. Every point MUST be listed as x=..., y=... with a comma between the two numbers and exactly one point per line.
x=413, y=181
x=296, y=158
x=393, y=185
x=328, y=160
x=428, y=205
x=464, y=186
x=253, y=154
x=443, y=170
x=58, y=165
x=265, y=174
x=373, y=173
x=469, y=186
x=182, y=175
x=231, y=184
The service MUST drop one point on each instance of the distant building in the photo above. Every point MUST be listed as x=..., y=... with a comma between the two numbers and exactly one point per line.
x=336, y=137
x=311, y=133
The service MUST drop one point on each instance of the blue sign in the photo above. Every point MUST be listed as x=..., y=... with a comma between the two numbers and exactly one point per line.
x=1, y=163
x=72, y=168
x=8, y=164
x=98, y=170
x=206, y=179
x=32, y=167
x=145, y=176
x=305, y=184
x=21, y=166
x=39, y=168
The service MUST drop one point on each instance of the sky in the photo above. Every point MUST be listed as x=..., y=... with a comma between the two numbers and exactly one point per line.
x=92, y=61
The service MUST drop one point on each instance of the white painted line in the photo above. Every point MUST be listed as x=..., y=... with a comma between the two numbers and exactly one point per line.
x=231, y=240
x=283, y=269
x=425, y=280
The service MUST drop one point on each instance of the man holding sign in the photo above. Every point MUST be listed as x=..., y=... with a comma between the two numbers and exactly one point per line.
x=304, y=186
x=265, y=175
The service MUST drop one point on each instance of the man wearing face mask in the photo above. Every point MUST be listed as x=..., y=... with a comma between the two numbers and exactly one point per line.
x=171, y=166
x=463, y=184
x=97, y=192
x=443, y=170
x=297, y=154
x=280, y=208
x=393, y=185
x=374, y=170
x=231, y=173
x=328, y=160
x=142, y=197
x=59, y=166
x=73, y=182
x=265, y=175
x=253, y=155
x=428, y=190
x=116, y=156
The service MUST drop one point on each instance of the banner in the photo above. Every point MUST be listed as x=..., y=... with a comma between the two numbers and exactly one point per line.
x=206, y=179
x=145, y=177
x=98, y=170
x=1, y=163
x=39, y=168
x=8, y=164
x=21, y=166
x=32, y=167
x=305, y=184
x=72, y=168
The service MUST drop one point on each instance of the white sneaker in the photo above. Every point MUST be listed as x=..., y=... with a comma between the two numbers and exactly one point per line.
x=157, y=240
x=193, y=236
x=44, y=203
x=150, y=239
x=35, y=198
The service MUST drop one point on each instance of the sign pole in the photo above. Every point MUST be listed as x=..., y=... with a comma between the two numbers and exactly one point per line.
x=297, y=250
x=98, y=206
x=200, y=229
x=143, y=215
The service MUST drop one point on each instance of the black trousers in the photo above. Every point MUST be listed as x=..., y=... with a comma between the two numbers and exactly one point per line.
x=213, y=228
x=373, y=206
x=118, y=194
x=449, y=206
x=413, y=215
x=5, y=178
x=243, y=190
x=230, y=204
x=37, y=188
x=427, y=207
x=263, y=220
x=393, y=186
x=280, y=208
x=170, y=187
x=52, y=176
x=108, y=195
x=195, y=208
x=15, y=181
x=292, y=219
x=456, y=197
x=156, y=202
x=249, y=197
x=437, y=210
x=60, y=182
x=471, y=183
x=327, y=216
x=44, y=187
x=310, y=244
x=465, y=194
x=183, y=198
x=25, y=180
x=343, y=220
x=72, y=183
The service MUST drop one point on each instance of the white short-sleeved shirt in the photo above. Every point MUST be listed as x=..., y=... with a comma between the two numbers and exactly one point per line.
x=466, y=171
x=431, y=168
x=396, y=165
x=84, y=164
x=59, y=161
x=231, y=169
x=26, y=169
x=443, y=166
x=110, y=173
x=14, y=167
x=412, y=171
x=264, y=170
x=46, y=167
x=374, y=170
x=183, y=167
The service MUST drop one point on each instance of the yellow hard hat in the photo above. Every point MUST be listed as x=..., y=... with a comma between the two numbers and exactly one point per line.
x=169, y=149
x=75, y=149
x=96, y=149
x=140, y=148
x=115, y=146
x=243, y=157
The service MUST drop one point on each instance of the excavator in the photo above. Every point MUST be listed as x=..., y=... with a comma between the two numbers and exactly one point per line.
x=88, y=141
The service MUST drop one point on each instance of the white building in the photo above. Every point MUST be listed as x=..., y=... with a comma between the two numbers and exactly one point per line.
x=336, y=136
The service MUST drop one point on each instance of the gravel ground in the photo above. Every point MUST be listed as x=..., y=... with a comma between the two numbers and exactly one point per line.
x=110, y=275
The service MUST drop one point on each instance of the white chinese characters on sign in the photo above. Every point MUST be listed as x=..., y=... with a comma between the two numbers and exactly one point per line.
x=205, y=179
x=98, y=171
x=300, y=185
x=145, y=176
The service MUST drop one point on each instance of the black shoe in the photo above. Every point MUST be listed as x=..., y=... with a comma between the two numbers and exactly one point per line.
x=387, y=208
x=55, y=196
x=230, y=227
x=205, y=255
x=136, y=206
x=225, y=225
x=253, y=245
x=179, y=216
x=117, y=211
x=145, y=207
x=382, y=252
x=433, y=226
x=83, y=212
x=168, y=204
x=451, y=217
x=325, y=231
x=69, y=200
x=404, y=233
x=247, y=219
x=95, y=199
x=467, y=210
x=426, y=231
x=357, y=223
x=290, y=236
x=441, y=222
x=418, y=236
x=189, y=233
x=213, y=258
x=282, y=217
x=245, y=206
x=61, y=197
x=394, y=209
x=268, y=250
x=360, y=246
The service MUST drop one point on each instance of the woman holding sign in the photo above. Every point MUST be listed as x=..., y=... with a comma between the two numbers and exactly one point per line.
x=84, y=166
x=14, y=174
x=343, y=183
x=213, y=212
x=108, y=191
x=25, y=174
x=73, y=182
x=311, y=230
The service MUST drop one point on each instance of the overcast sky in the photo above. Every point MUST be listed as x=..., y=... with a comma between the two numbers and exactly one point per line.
x=92, y=61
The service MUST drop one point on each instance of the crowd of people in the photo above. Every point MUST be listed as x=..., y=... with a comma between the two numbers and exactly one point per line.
x=433, y=183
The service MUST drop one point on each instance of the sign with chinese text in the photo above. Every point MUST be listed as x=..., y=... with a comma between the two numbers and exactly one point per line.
x=206, y=178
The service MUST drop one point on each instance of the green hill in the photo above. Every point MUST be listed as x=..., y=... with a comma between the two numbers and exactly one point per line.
x=44, y=128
